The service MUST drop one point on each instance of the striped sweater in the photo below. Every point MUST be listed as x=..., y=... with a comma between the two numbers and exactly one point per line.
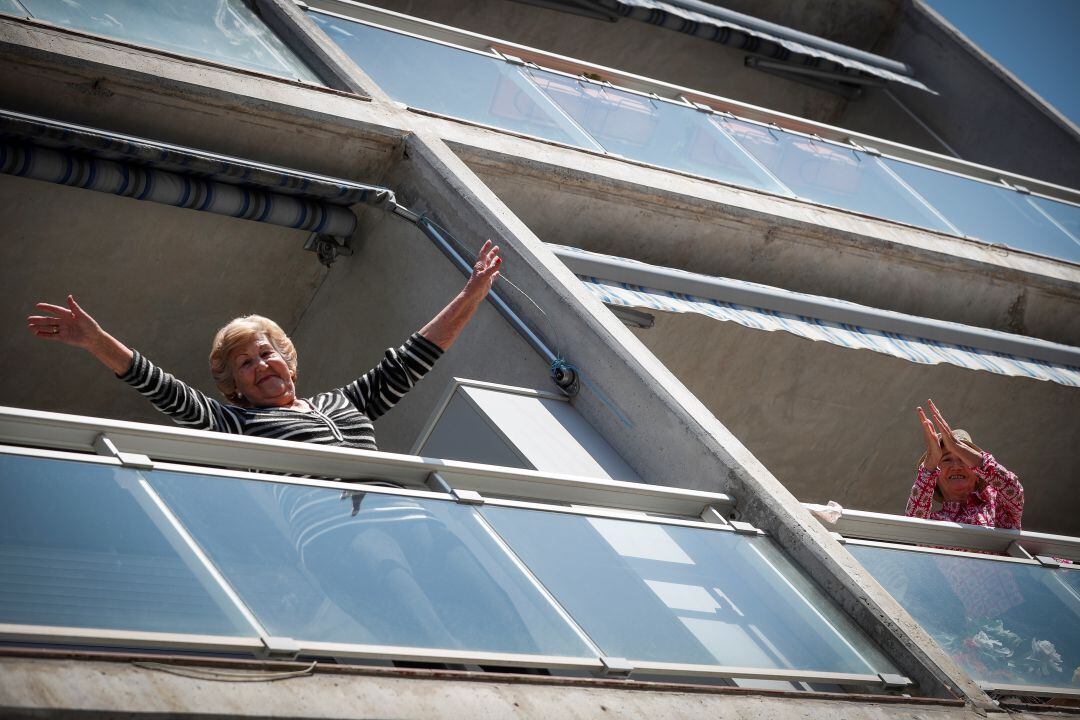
x=341, y=417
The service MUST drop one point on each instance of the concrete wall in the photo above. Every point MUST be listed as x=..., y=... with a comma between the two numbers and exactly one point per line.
x=839, y=424
x=81, y=687
x=160, y=279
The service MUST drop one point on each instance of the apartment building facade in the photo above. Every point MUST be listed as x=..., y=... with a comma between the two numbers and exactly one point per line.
x=796, y=247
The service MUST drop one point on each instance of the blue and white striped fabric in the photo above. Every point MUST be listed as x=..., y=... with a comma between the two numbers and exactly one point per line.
x=145, y=183
x=913, y=349
x=51, y=151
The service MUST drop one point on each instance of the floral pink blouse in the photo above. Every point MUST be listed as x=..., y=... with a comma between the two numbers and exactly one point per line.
x=999, y=504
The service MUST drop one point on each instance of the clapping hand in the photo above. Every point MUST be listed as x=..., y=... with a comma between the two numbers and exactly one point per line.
x=948, y=442
x=933, y=444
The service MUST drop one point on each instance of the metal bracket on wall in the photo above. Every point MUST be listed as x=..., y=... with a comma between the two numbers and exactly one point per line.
x=327, y=247
x=616, y=666
x=744, y=528
x=280, y=648
x=890, y=681
x=438, y=483
x=104, y=446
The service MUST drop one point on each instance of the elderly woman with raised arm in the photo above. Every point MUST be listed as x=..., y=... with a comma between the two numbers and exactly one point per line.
x=970, y=484
x=254, y=365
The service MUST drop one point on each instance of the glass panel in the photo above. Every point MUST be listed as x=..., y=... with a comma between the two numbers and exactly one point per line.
x=369, y=568
x=831, y=175
x=1007, y=623
x=225, y=31
x=1068, y=216
x=988, y=212
x=12, y=7
x=653, y=131
x=450, y=81
x=77, y=549
x=661, y=593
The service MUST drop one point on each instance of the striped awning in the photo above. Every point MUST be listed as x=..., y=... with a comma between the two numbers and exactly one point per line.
x=46, y=150
x=720, y=28
x=623, y=282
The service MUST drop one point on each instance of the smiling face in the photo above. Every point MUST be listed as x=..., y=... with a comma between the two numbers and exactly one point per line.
x=955, y=479
x=262, y=376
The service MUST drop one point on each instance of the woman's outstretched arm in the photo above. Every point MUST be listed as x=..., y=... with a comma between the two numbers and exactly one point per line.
x=73, y=326
x=445, y=327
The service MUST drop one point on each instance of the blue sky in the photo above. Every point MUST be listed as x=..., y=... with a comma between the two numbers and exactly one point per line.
x=1035, y=39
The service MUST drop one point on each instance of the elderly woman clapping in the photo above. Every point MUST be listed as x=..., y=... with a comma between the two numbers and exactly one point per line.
x=254, y=365
x=970, y=484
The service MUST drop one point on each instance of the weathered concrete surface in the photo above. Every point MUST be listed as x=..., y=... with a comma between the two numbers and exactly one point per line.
x=833, y=423
x=676, y=221
x=984, y=112
x=61, y=688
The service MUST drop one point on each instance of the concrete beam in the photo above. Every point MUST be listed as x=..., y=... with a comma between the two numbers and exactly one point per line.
x=81, y=686
x=69, y=76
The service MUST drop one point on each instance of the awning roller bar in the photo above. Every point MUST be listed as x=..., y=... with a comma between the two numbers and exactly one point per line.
x=62, y=153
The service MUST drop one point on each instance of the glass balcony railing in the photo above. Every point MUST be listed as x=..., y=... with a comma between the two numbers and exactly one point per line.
x=123, y=549
x=1004, y=604
x=1006, y=622
x=656, y=593
x=224, y=31
x=483, y=87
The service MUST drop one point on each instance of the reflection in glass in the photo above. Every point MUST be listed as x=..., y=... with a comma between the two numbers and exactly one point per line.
x=12, y=7
x=990, y=213
x=78, y=549
x=225, y=31
x=662, y=593
x=1066, y=215
x=401, y=571
x=450, y=81
x=653, y=131
x=1007, y=623
x=830, y=174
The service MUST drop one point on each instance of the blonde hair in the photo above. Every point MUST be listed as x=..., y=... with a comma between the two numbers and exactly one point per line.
x=965, y=437
x=240, y=331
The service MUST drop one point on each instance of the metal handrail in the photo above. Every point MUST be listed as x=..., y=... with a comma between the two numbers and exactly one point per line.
x=917, y=531
x=60, y=431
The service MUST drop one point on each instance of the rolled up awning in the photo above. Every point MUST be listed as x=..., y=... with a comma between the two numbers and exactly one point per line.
x=627, y=283
x=46, y=150
x=760, y=38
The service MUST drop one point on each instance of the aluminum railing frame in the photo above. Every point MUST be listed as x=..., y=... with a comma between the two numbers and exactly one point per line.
x=263, y=644
x=179, y=445
x=909, y=531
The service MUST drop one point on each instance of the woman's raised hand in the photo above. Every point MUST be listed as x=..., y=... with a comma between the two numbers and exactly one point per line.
x=933, y=445
x=73, y=326
x=969, y=455
x=70, y=325
x=485, y=270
